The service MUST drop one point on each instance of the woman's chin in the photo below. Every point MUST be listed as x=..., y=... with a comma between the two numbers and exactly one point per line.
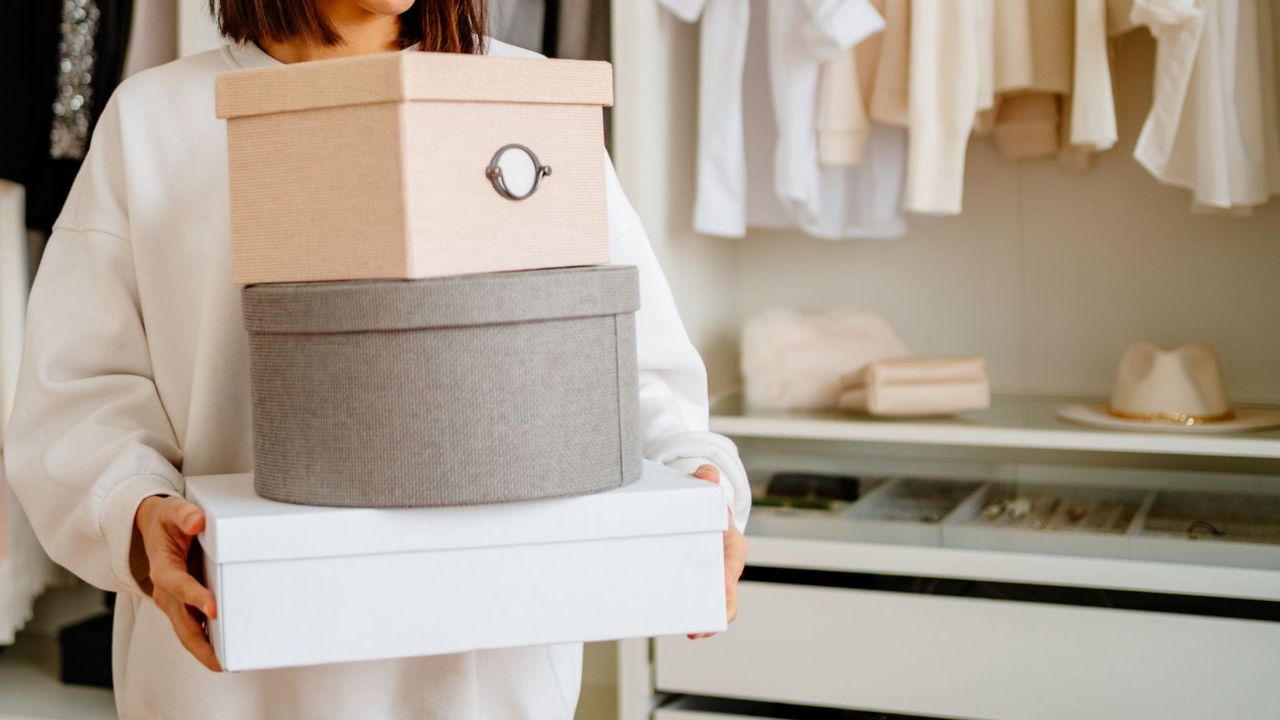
x=386, y=7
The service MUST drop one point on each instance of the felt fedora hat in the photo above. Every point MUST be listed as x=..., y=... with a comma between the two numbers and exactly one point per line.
x=1180, y=390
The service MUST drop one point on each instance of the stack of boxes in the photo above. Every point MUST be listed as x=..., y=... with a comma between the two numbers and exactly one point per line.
x=427, y=302
x=434, y=334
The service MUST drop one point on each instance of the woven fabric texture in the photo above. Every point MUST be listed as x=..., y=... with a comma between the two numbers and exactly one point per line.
x=404, y=76
x=489, y=388
x=392, y=148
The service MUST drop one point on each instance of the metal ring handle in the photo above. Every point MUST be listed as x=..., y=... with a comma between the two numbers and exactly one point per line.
x=494, y=172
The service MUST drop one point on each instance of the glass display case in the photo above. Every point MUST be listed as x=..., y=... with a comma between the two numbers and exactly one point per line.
x=1188, y=526
x=1016, y=495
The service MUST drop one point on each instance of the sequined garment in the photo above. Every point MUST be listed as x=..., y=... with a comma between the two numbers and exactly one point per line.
x=72, y=105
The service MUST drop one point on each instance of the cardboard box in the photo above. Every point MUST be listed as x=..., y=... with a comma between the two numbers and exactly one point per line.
x=300, y=585
x=387, y=166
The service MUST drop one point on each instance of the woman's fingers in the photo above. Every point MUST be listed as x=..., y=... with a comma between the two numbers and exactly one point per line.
x=188, y=628
x=190, y=519
x=168, y=541
x=735, y=561
x=169, y=526
x=735, y=555
x=708, y=473
x=169, y=572
x=175, y=580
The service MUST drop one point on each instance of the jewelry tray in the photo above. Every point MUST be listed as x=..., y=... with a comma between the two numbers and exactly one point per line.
x=1118, y=522
x=1061, y=520
x=907, y=511
x=806, y=523
x=1249, y=524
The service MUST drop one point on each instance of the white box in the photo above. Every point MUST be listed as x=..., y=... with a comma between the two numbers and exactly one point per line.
x=299, y=585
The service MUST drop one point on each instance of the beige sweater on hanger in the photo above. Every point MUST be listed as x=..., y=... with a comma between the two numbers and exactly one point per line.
x=928, y=80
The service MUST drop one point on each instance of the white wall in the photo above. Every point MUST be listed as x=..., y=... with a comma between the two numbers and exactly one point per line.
x=1049, y=273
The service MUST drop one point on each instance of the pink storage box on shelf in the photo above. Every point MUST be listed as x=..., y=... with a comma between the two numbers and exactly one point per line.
x=415, y=165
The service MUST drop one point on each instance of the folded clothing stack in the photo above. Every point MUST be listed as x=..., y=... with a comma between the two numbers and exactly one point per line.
x=427, y=302
x=916, y=386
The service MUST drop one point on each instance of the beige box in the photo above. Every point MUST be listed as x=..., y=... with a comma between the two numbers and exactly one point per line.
x=387, y=166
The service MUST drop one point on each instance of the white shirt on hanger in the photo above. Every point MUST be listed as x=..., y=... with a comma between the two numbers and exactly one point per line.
x=759, y=166
x=832, y=203
x=1093, y=111
x=720, y=203
x=1214, y=125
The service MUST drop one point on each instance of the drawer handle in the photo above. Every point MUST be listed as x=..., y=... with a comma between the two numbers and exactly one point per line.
x=518, y=163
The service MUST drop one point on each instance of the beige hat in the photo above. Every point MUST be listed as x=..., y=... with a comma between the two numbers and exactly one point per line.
x=1179, y=390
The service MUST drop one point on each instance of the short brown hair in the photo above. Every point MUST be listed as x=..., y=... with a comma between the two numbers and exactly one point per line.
x=456, y=26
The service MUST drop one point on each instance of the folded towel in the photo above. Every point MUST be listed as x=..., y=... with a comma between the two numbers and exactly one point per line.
x=918, y=386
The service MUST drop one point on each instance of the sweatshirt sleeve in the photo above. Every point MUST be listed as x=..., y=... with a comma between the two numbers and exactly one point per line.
x=89, y=438
x=673, y=380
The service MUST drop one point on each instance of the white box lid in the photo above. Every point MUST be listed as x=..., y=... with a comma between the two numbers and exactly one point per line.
x=242, y=527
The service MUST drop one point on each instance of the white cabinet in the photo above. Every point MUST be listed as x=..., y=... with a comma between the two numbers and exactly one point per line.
x=952, y=657
x=1049, y=274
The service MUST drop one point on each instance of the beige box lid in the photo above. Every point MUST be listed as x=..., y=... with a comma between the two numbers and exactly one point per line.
x=413, y=76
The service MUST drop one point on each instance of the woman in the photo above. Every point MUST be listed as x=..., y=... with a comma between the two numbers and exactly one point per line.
x=135, y=374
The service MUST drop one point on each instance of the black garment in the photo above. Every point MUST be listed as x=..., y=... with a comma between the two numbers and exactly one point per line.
x=551, y=28
x=29, y=35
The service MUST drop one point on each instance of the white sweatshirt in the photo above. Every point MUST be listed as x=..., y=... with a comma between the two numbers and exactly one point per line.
x=135, y=374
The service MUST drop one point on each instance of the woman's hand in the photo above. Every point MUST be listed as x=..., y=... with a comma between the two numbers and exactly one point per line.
x=167, y=526
x=735, y=553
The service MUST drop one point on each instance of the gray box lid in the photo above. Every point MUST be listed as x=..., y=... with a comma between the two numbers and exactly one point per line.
x=461, y=301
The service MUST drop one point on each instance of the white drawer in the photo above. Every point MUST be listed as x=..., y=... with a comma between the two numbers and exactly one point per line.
x=995, y=660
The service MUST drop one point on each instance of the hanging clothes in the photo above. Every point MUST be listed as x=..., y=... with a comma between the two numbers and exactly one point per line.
x=584, y=30
x=758, y=161
x=803, y=36
x=844, y=97
x=889, y=88
x=944, y=96
x=70, y=56
x=1093, y=112
x=1214, y=125
x=720, y=206
x=830, y=203
x=25, y=570
x=931, y=81
x=1034, y=63
x=518, y=22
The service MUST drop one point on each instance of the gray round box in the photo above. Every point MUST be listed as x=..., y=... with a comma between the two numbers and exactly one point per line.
x=448, y=391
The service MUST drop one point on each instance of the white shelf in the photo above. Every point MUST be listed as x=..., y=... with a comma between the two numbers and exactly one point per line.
x=1012, y=422
x=1000, y=566
x=30, y=689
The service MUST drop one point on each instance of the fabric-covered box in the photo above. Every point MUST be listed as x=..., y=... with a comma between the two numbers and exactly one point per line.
x=448, y=391
x=299, y=585
x=414, y=165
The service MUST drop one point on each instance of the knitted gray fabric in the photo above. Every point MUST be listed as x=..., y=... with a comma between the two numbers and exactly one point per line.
x=450, y=391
